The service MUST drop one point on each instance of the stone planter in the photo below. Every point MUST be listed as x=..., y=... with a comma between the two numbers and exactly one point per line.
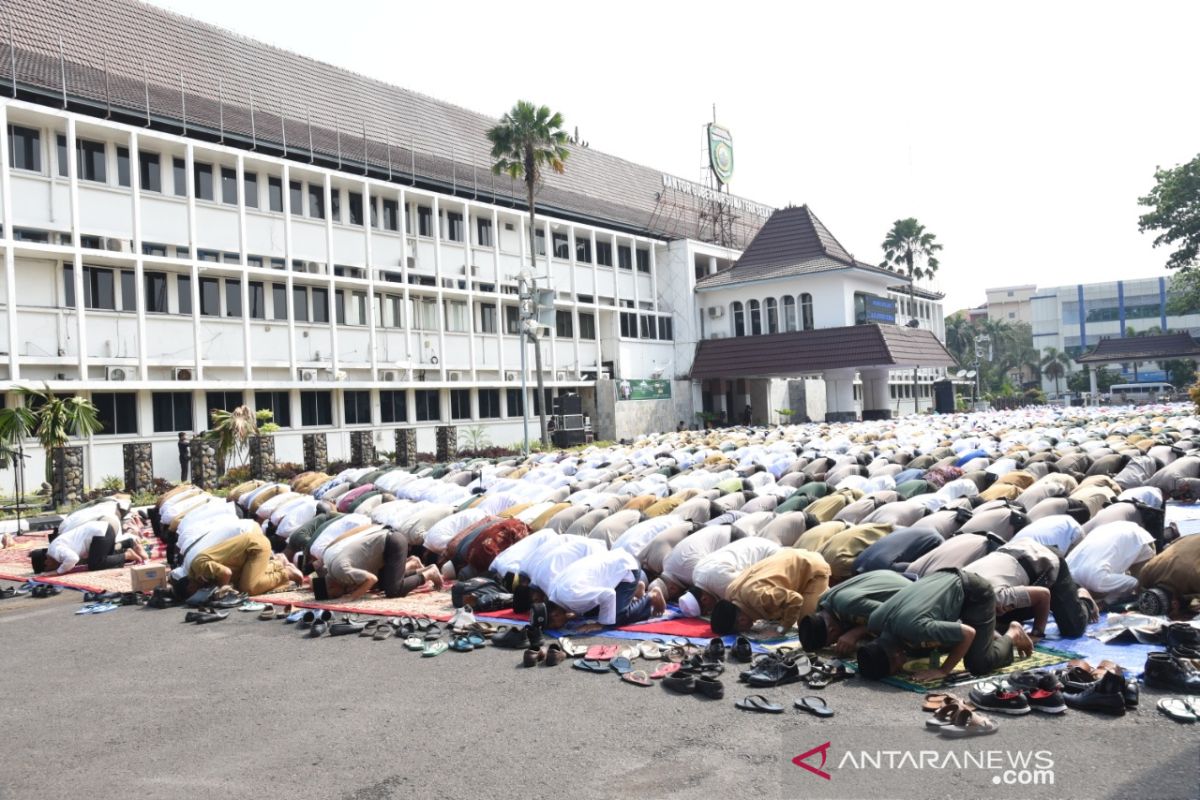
x=362, y=448
x=67, y=476
x=262, y=457
x=406, y=447
x=446, y=438
x=316, y=452
x=139, y=466
x=204, y=463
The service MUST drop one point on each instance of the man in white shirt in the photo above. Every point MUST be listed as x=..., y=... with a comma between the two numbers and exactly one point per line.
x=1107, y=561
x=713, y=573
x=332, y=531
x=680, y=563
x=1059, y=532
x=100, y=542
x=641, y=534
x=544, y=565
x=292, y=515
x=510, y=564
x=610, y=583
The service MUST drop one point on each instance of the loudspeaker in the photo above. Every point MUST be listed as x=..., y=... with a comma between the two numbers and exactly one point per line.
x=943, y=397
x=569, y=438
x=568, y=404
x=572, y=422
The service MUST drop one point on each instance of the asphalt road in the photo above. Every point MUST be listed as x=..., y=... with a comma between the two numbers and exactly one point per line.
x=137, y=704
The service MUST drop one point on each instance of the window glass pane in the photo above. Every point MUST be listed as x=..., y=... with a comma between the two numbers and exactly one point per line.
x=233, y=297
x=116, y=412
x=24, y=148
x=487, y=318
x=643, y=260
x=587, y=326
x=183, y=286
x=393, y=406
x=258, y=307
x=563, y=327
x=250, y=189
x=515, y=404
x=278, y=404
x=454, y=224
x=424, y=221
x=316, y=408
x=172, y=411
x=275, y=194
x=210, y=297
x=60, y=155
x=151, y=172
x=156, y=291
x=278, y=301
x=128, y=291
x=91, y=160
x=460, y=404
x=357, y=407
x=296, y=197
x=68, y=286
x=320, y=305
x=122, y=166
x=428, y=409
x=99, y=290
x=484, y=230
x=489, y=403
x=335, y=203
x=391, y=215
x=316, y=201
x=356, y=208
x=179, y=176
x=300, y=303
x=202, y=174
x=624, y=257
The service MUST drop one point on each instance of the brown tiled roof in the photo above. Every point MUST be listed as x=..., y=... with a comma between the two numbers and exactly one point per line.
x=126, y=55
x=792, y=242
x=790, y=354
x=1142, y=348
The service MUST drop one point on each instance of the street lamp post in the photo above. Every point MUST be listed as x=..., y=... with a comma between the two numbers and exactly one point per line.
x=981, y=339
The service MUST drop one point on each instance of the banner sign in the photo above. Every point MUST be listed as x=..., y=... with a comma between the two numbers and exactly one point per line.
x=644, y=390
x=720, y=152
x=880, y=309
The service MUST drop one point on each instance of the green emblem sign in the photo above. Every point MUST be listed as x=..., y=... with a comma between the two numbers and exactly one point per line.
x=720, y=152
x=643, y=390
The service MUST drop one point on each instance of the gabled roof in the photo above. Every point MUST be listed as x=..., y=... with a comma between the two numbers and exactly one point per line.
x=1142, y=348
x=792, y=242
x=150, y=66
x=798, y=353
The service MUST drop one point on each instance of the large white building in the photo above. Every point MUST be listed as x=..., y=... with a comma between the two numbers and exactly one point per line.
x=201, y=221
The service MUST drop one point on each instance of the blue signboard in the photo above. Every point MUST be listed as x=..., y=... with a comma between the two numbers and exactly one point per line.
x=880, y=309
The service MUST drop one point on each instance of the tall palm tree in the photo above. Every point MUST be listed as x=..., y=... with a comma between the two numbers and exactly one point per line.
x=1055, y=364
x=528, y=141
x=52, y=419
x=960, y=334
x=229, y=433
x=911, y=248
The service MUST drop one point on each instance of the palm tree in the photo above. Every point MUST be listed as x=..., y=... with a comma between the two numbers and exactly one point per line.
x=528, y=140
x=910, y=247
x=1055, y=364
x=229, y=433
x=960, y=335
x=51, y=418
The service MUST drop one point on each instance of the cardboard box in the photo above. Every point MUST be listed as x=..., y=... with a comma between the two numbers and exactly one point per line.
x=148, y=577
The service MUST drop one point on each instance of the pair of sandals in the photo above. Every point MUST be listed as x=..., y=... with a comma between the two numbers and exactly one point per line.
x=428, y=649
x=1181, y=709
x=44, y=590
x=813, y=704
x=467, y=642
x=956, y=718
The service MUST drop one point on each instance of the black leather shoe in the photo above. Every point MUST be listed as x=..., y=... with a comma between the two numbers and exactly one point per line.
x=210, y=615
x=1182, y=634
x=1165, y=671
x=715, y=652
x=1105, y=695
x=533, y=636
x=319, y=628
x=1131, y=694
x=346, y=627
x=741, y=650
x=512, y=639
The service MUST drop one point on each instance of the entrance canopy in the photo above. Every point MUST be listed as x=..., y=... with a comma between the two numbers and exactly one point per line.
x=1142, y=348
x=783, y=355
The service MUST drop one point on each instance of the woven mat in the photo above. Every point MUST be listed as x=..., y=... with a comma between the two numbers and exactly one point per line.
x=105, y=580
x=1042, y=657
x=18, y=553
x=435, y=605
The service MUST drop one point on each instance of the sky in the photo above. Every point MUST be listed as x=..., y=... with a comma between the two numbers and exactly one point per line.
x=1021, y=135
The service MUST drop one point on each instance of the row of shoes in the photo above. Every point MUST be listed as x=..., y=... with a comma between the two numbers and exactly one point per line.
x=789, y=666
x=1104, y=688
x=205, y=614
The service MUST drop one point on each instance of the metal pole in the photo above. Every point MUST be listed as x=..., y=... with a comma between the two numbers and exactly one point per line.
x=524, y=396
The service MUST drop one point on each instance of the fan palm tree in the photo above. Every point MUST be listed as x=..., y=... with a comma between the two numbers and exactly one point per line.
x=229, y=433
x=1055, y=364
x=911, y=248
x=528, y=141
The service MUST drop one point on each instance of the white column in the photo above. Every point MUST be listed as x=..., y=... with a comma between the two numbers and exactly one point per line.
x=875, y=395
x=407, y=302
x=189, y=165
x=76, y=256
x=499, y=334
x=139, y=281
x=287, y=270
x=839, y=391
x=653, y=279
x=470, y=279
x=10, y=268
x=368, y=206
x=330, y=313
x=247, y=352
x=712, y=265
x=441, y=299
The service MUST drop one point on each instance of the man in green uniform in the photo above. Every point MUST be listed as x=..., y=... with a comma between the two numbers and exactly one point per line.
x=843, y=611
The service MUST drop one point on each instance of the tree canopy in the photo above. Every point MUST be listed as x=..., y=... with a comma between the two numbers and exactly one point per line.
x=1174, y=213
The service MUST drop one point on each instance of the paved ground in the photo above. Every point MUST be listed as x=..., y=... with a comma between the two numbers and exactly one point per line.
x=137, y=704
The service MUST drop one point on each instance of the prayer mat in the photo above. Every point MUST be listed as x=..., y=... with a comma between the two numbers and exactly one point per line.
x=1131, y=656
x=18, y=553
x=689, y=627
x=104, y=580
x=1042, y=657
x=420, y=603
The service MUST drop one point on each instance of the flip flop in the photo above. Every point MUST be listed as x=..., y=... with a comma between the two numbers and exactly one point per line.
x=628, y=651
x=461, y=644
x=1177, y=709
x=664, y=670
x=295, y=616
x=381, y=632
x=433, y=632
x=621, y=665
x=601, y=652
x=571, y=649
x=434, y=649
x=589, y=665
x=103, y=608
x=814, y=705
x=756, y=702
x=414, y=643
x=251, y=607
x=477, y=641
x=674, y=655
x=650, y=651
x=637, y=677
x=268, y=613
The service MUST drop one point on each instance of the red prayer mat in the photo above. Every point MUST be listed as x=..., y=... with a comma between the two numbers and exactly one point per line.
x=421, y=603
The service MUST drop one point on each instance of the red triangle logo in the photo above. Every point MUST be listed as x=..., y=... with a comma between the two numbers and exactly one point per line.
x=801, y=760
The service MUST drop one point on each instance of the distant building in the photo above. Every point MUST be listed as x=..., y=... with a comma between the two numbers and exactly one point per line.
x=1010, y=304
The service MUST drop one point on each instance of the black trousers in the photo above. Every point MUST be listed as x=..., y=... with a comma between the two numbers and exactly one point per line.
x=987, y=653
x=184, y=464
x=103, y=553
x=1070, y=613
x=393, y=579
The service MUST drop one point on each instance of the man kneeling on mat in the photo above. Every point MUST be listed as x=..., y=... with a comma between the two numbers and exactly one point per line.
x=952, y=609
x=609, y=582
x=244, y=562
x=375, y=559
x=843, y=611
x=783, y=587
x=100, y=542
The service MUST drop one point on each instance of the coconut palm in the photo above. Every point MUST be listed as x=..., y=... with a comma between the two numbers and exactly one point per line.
x=528, y=141
x=53, y=419
x=911, y=248
x=1055, y=364
x=229, y=433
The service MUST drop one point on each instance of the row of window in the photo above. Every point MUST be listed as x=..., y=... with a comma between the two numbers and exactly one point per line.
x=768, y=312
x=647, y=326
x=173, y=411
x=217, y=183
x=106, y=289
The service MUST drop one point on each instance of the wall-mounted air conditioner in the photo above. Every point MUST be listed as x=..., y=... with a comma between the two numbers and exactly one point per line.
x=306, y=375
x=560, y=376
x=454, y=376
x=412, y=262
x=117, y=374
x=510, y=376
x=183, y=374
x=716, y=311
x=388, y=375
x=117, y=245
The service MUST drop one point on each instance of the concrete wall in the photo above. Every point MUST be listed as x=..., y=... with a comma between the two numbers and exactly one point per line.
x=629, y=419
x=806, y=397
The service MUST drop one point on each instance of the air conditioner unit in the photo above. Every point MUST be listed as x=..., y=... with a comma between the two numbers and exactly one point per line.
x=61, y=238
x=117, y=374
x=510, y=376
x=454, y=376
x=412, y=262
x=312, y=267
x=560, y=376
x=411, y=241
x=307, y=375
x=474, y=270
x=182, y=374
x=388, y=375
x=117, y=245
x=716, y=311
